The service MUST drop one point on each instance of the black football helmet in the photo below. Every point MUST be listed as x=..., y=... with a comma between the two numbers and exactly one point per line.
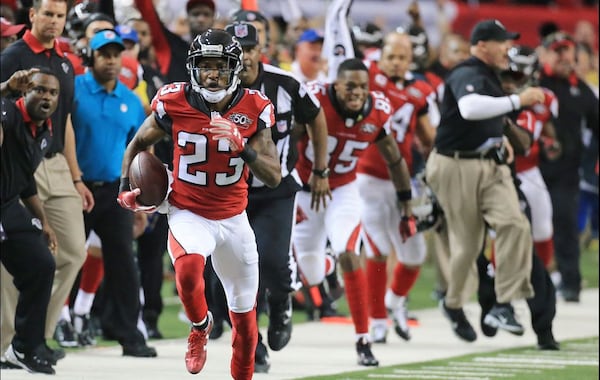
x=215, y=43
x=76, y=18
x=523, y=67
x=425, y=206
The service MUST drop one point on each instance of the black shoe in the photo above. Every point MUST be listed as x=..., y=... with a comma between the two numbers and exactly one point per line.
x=53, y=356
x=154, y=332
x=546, y=342
x=34, y=362
x=502, y=316
x=83, y=328
x=486, y=329
x=216, y=331
x=279, y=332
x=365, y=356
x=460, y=325
x=4, y=364
x=570, y=295
x=261, y=358
x=65, y=334
x=139, y=350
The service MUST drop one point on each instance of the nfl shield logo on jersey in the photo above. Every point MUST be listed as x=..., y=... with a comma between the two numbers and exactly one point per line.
x=241, y=30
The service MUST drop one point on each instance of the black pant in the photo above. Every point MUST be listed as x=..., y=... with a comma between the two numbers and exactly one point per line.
x=114, y=226
x=26, y=257
x=565, y=204
x=542, y=306
x=272, y=222
x=150, y=250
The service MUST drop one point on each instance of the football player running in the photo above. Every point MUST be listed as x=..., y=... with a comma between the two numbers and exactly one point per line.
x=356, y=119
x=415, y=114
x=220, y=132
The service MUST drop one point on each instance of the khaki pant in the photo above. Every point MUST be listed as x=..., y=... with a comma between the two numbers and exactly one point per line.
x=64, y=210
x=473, y=193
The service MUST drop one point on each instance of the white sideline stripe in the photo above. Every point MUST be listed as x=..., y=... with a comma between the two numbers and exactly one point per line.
x=560, y=355
x=522, y=359
x=442, y=371
x=517, y=365
x=479, y=367
x=412, y=376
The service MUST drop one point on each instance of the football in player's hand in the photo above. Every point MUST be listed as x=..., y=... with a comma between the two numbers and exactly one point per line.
x=149, y=174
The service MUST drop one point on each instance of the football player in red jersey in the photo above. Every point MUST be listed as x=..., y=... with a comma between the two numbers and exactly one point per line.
x=356, y=119
x=409, y=99
x=538, y=121
x=220, y=132
x=414, y=111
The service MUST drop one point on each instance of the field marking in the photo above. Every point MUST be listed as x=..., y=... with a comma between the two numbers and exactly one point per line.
x=532, y=359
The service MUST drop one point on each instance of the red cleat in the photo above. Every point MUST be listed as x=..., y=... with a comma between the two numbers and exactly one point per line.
x=195, y=357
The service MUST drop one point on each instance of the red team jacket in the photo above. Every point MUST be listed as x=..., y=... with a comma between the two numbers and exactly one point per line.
x=348, y=138
x=408, y=103
x=533, y=119
x=207, y=178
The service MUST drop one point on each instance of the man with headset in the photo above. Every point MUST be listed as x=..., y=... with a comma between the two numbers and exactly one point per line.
x=106, y=115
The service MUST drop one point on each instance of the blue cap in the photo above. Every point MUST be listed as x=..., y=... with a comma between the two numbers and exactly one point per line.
x=106, y=37
x=311, y=35
x=127, y=33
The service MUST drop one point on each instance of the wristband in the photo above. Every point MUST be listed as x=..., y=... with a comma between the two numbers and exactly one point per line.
x=404, y=195
x=124, y=185
x=76, y=181
x=248, y=154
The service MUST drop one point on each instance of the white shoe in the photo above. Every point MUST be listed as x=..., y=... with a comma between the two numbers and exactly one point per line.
x=396, y=306
x=379, y=330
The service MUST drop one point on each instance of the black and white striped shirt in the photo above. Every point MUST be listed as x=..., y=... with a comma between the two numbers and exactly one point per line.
x=293, y=103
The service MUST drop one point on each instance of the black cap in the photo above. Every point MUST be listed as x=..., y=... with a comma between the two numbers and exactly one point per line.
x=491, y=30
x=249, y=16
x=244, y=32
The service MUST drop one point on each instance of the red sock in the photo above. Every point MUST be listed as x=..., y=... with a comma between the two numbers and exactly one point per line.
x=244, y=339
x=356, y=294
x=404, y=279
x=545, y=251
x=377, y=283
x=190, y=286
x=92, y=273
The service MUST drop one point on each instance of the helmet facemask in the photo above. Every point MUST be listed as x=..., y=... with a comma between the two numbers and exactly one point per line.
x=523, y=68
x=228, y=64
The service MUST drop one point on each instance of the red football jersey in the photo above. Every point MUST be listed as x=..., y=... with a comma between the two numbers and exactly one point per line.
x=348, y=138
x=408, y=103
x=207, y=178
x=533, y=119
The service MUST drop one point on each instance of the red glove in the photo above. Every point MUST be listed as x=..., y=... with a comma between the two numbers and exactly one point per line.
x=223, y=129
x=127, y=200
x=408, y=227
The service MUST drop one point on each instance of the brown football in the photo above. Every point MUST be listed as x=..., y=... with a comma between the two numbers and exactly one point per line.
x=148, y=174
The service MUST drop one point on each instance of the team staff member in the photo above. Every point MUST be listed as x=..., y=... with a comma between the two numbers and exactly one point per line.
x=274, y=209
x=58, y=177
x=27, y=241
x=577, y=106
x=106, y=115
x=466, y=171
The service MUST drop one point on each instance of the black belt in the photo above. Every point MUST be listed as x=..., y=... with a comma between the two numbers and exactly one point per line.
x=489, y=154
x=97, y=184
x=51, y=154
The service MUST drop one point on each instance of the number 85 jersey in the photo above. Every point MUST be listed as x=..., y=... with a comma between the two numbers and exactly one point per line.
x=348, y=136
x=208, y=179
